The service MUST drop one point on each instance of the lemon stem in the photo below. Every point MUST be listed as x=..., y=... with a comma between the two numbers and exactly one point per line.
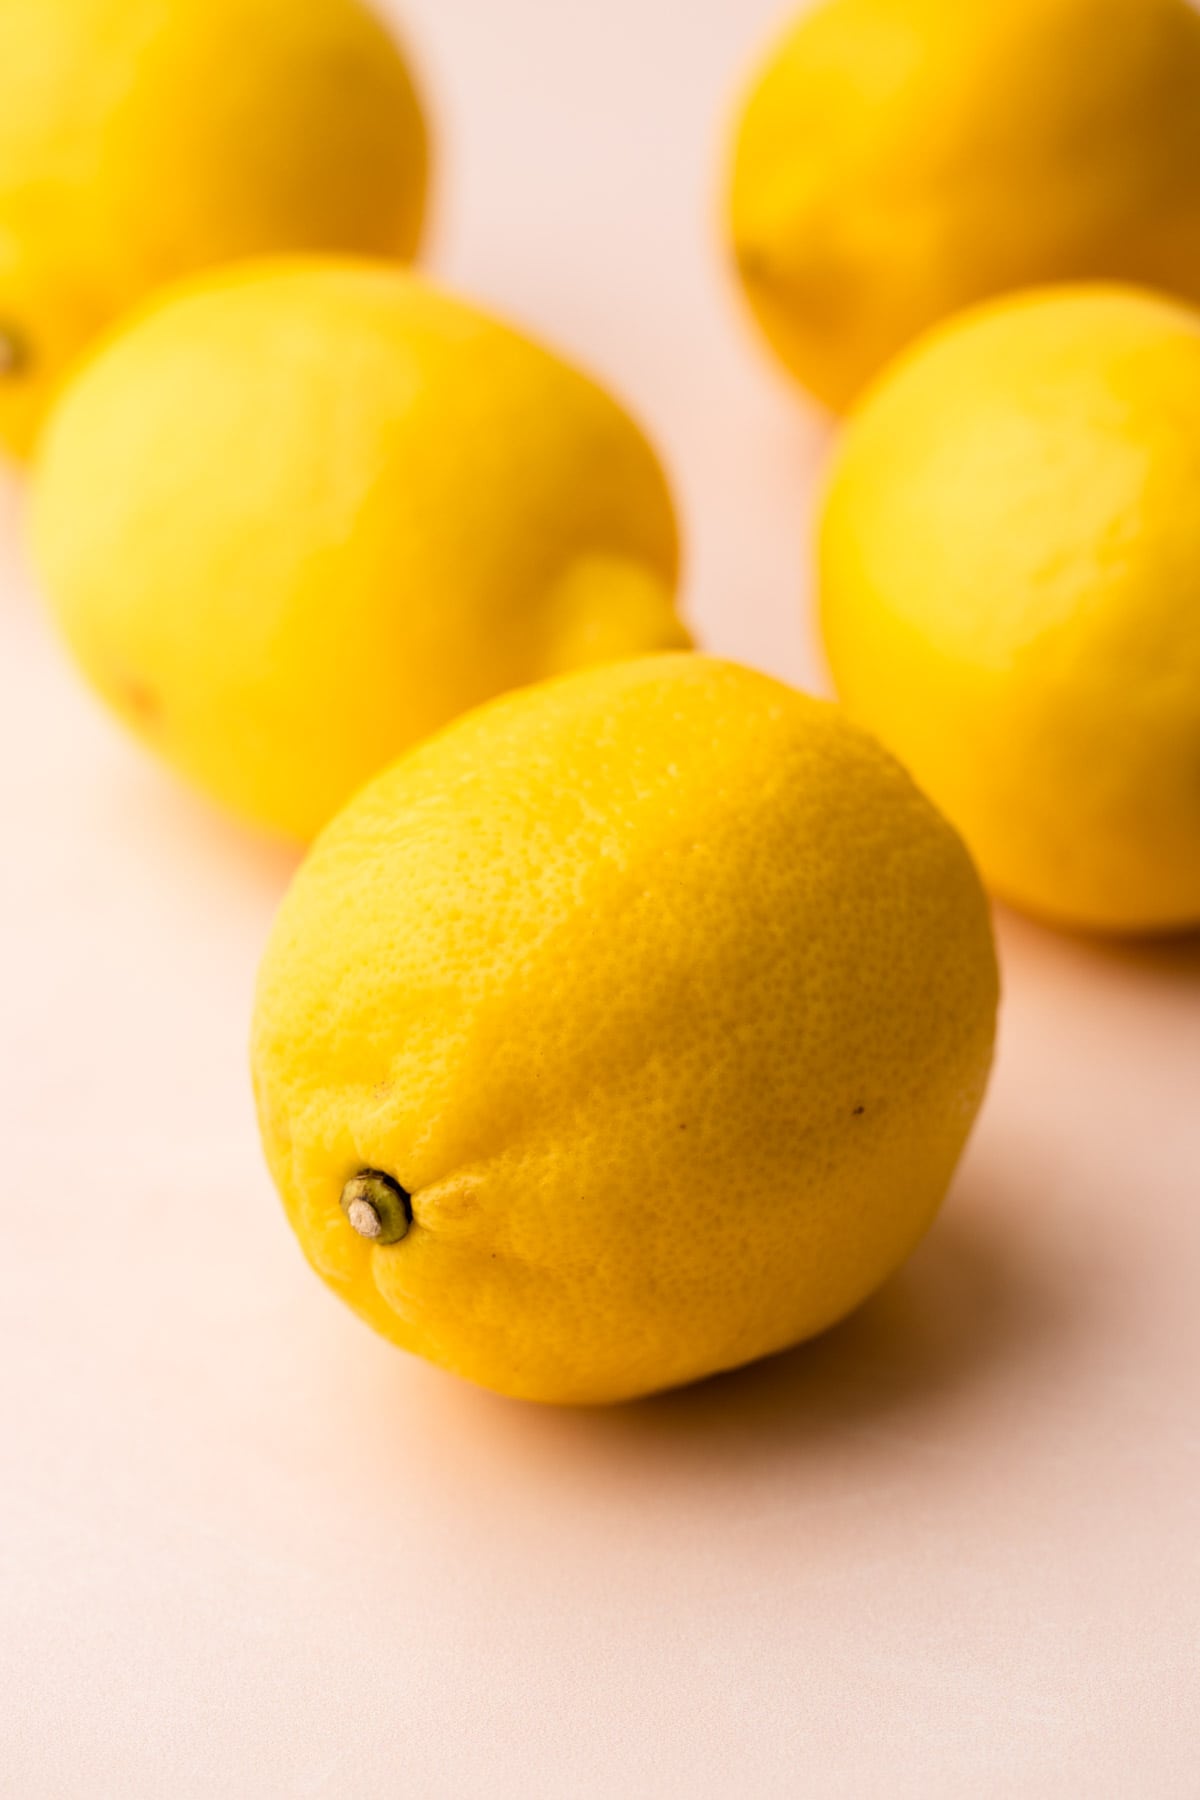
x=364, y=1218
x=377, y=1207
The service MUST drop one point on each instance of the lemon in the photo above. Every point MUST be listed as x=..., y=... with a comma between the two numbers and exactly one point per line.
x=898, y=160
x=626, y=1031
x=143, y=139
x=295, y=518
x=1010, y=565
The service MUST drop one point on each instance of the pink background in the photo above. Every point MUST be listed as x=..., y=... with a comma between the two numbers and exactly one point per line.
x=251, y=1551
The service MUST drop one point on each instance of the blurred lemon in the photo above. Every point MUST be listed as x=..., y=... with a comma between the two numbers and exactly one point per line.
x=295, y=518
x=901, y=159
x=1010, y=572
x=628, y=1030
x=144, y=139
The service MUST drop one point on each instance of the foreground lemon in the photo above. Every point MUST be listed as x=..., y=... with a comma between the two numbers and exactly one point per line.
x=144, y=139
x=901, y=159
x=1010, y=594
x=626, y=1031
x=294, y=519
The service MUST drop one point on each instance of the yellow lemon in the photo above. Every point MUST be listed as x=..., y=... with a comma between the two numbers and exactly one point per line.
x=143, y=139
x=626, y=1031
x=1010, y=565
x=295, y=518
x=901, y=159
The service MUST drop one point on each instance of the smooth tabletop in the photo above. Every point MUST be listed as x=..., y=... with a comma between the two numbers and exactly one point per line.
x=250, y=1551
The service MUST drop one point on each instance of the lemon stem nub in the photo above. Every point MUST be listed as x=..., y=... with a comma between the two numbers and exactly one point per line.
x=377, y=1207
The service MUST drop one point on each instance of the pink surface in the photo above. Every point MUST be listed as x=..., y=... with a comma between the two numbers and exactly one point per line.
x=251, y=1551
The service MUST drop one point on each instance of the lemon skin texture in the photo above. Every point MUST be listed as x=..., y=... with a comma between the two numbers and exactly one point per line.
x=296, y=518
x=667, y=998
x=141, y=140
x=899, y=160
x=1010, y=595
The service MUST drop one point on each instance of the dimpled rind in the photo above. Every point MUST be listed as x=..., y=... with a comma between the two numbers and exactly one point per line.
x=1009, y=564
x=298, y=516
x=667, y=998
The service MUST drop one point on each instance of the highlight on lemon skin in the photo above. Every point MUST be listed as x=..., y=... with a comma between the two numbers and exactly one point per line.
x=628, y=1030
x=295, y=517
x=1009, y=564
x=898, y=160
x=141, y=140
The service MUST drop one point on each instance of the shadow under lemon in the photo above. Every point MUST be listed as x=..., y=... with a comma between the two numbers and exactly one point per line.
x=965, y=1303
x=971, y=1303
